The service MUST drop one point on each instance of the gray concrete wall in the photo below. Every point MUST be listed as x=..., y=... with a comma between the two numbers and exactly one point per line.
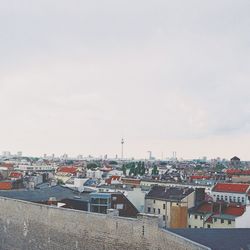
x=25, y=225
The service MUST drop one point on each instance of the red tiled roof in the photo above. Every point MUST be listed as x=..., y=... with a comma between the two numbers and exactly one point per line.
x=231, y=187
x=15, y=175
x=68, y=169
x=237, y=172
x=234, y=210
x=113, y=178
x=206, y=207
x=7, y=165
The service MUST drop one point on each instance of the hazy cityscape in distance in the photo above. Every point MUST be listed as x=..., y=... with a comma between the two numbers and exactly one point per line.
x=125, y=125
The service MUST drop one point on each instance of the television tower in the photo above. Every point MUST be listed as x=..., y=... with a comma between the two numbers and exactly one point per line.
x=122, y=142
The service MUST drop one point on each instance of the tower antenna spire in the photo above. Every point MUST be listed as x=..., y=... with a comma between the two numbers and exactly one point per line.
x=122, y=142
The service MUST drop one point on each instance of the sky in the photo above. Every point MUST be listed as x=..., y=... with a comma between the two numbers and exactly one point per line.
x=76, y=76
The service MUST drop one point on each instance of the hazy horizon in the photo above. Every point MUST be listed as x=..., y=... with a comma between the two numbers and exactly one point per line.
x=77, y=76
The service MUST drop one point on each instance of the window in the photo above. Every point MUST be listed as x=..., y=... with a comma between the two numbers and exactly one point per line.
x=154, y=201
x=238, y=199
x=195, y=226
x=222, y=221
x=208, y=226
x=230, y=198
x=195, y=216
x=234, y=199
x=154, y=210
x=164, y=206
x=164, y=217
x=243, y=199
x=119, y=206
x=229, y=222
x=218, y=197
x=215, y=219
x=149, y=209
x=225, y=197
x=221, y=197
x=201, y=217
x=159, y=210
x=189, y=226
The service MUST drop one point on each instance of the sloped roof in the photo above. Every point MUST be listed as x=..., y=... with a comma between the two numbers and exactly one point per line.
x=231, y=187
x=68, y=169
x=219, y=239
x=15, y=175
x=168, y=193
x=235, y=158
x=234, y=210
x=237, y=172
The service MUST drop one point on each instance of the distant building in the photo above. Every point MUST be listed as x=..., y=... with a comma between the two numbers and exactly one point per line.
x=146, y=184
x=19, y=154
x=235, y=162
x=131, y=182
x=66, y=172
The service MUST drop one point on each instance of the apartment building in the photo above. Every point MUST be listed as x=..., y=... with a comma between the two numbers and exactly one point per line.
x=231, y=192
x=171, y=204
x=219, y=215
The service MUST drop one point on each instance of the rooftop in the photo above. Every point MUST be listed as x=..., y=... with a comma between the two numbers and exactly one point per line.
x=168, y=193
x=44, y=193
x=217, y=239
x=231, y=187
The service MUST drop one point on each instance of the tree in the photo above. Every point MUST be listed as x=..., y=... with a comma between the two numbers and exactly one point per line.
x=139, y=168
x=219, y=167
x=92, y=165
x=132, y=169
x=155, y=170
x=124, y=169
x=143, y=170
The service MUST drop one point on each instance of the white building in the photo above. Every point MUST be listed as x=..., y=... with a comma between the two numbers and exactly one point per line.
x=231, y=192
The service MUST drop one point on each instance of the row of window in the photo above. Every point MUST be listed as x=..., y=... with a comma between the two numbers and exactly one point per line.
x=215, y=219
x=163, y=206
x=230, y=198
x=208, y=226
x=229, y=222
x=154, y=210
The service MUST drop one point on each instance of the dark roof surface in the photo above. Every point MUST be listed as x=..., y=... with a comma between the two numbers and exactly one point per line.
x=235, y=158
x=169, y=193
x=44, y=193
x=218, y=239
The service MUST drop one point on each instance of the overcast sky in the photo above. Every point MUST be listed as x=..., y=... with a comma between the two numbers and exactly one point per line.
x=76, y=76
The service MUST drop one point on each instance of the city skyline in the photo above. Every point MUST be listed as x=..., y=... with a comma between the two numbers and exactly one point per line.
x=167, y=76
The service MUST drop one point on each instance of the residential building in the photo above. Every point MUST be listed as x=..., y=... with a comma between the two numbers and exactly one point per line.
x=148, y=183
x=172, y=204
x=133, y=182
x=231, y=192
x=101, y=202
x=219, y=215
